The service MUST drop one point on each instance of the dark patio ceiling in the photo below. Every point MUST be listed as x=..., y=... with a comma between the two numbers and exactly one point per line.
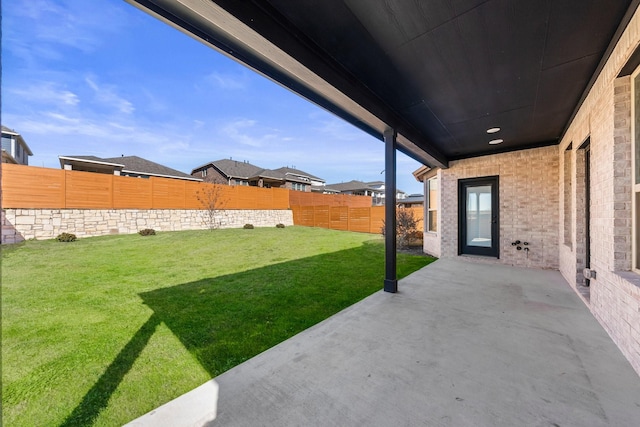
x=440, y=72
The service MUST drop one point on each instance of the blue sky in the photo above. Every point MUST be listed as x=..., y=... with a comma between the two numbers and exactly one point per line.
x=103, y=78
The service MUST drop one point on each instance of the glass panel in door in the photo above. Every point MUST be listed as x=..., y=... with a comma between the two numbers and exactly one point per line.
x=479, y=216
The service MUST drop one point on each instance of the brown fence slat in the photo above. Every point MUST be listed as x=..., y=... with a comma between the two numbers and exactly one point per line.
x=360, y=219
x=131, y=193
x=377, y=218
x=301, y=198
x=339, y=218
x=31, y=187
x=87, y=190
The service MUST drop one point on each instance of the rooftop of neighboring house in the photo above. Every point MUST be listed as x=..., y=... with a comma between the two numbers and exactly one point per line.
x=243, y=169
x=286, y=173
x=293, y=173
x=127, y=165
x=7, y=131
x=232, y=168
x=412, y=199
x=355, y=185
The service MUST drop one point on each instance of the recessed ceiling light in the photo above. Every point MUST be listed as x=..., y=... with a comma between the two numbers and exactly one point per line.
x=493, y=130
x=496, y=141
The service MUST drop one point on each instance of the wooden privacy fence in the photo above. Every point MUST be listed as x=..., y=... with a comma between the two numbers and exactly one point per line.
x=32, y=187
x=361, y=219
x=300, y=198
x=25, y=187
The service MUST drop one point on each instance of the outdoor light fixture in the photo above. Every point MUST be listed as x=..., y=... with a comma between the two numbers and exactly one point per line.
x=496, y=141
x=493, y=130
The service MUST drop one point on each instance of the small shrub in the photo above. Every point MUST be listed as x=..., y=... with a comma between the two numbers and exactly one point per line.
x=66, y=237
x=248, y=227
x=280, y=225
x=406, y=225
x=147, y=232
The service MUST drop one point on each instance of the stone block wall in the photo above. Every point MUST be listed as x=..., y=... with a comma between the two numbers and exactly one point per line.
x=22, y=224
x=529, y=201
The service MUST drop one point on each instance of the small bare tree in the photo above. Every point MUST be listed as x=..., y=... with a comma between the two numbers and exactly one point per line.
x=212, y=199
x=406, y=226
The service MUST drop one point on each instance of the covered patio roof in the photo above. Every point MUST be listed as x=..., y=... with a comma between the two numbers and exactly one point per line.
x=440, y=73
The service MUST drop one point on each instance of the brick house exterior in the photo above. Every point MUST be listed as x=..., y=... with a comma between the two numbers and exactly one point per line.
x=226, y=171
x=554, y=197
x=234, y=172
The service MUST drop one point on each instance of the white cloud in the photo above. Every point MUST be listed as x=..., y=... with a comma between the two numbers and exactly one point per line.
x=243, y=132
x=106, y=95
x=70, y=23
x=228, y=81
x=47, y=93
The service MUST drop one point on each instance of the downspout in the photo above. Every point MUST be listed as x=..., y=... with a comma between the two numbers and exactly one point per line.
x=390, y=279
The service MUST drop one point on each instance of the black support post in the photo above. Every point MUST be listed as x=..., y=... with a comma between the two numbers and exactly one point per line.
x=390, y=279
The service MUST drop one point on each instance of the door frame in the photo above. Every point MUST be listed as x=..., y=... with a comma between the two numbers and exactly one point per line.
x=463, y=248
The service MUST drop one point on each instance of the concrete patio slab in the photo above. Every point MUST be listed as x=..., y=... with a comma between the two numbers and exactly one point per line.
x=461, y=344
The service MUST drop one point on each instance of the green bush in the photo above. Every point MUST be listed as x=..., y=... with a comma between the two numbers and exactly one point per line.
x=248, y=227
x=66, y=237
x=147, y=232
x=280, y=225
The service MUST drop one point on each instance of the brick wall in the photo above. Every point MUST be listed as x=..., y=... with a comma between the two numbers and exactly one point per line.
x=22, y=224
x=604, y=120
x=529, y=202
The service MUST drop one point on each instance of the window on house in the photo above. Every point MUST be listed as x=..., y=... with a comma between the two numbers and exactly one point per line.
x=6, y=144
x=298, y=186
x=432, y=205
x=204, y=173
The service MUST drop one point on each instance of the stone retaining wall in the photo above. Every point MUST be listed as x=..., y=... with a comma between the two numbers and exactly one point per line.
x=22, y=224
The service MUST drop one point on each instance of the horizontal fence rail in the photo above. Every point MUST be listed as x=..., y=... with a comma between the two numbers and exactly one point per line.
x=28, y=187
x=362, y=219
x=32, y=187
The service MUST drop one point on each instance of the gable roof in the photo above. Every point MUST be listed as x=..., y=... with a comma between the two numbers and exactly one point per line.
x=245, y=170
x=128, y=164
x=355, y=185
x=269, y=173
x=232, y=168
x=292, y=171
x=352, y=185
x=138, y=165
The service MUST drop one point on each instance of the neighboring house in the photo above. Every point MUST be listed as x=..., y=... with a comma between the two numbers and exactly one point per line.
x=234, y=172
x=132, y=166
x=226, y=171
x=14, y=148
x=286, y=177
x=375, y=189
x=411, y=201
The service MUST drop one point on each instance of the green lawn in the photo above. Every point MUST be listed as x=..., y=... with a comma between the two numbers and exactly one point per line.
x=105, y=329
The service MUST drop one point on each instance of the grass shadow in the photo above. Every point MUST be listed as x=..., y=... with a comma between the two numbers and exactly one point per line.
x=226, y=320
x=98, y=396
